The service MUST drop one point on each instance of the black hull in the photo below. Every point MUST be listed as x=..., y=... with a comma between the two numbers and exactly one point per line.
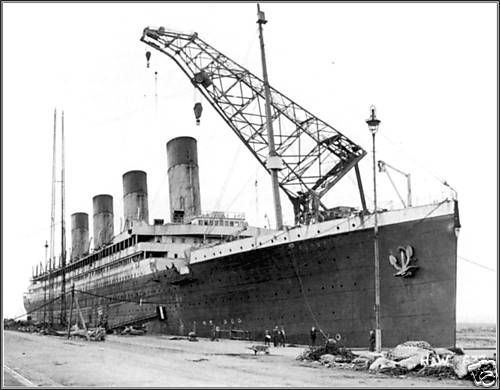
x=327, y=282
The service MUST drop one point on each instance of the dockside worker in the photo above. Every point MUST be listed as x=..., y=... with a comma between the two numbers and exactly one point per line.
x=372, y=341
x=282, y=336
x=313, y=336
x=276, y=336
x=267, y=338
x=214, y=331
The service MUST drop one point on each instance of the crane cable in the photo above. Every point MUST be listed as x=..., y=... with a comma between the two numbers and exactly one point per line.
x=414, y=161
x=210, y=228
x=196, y=95
x=156, y=94
x=304, y=296
x=158, y=190
x=256, y=197
x=40, y=307
x=478, y=264
x=228, y=177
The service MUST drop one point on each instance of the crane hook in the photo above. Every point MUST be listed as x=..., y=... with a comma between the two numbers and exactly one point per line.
x=148, y=56
x=198, y=108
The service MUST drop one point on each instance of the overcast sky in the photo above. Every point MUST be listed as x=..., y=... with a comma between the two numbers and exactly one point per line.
x=430, y=69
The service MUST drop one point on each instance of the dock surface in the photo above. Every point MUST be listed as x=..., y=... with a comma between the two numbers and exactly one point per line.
x=158, y=361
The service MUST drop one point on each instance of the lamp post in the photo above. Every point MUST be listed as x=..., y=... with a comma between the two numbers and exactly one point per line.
x=373, y=124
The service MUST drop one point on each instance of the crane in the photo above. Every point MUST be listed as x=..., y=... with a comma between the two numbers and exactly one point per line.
x=309, y=155
x=382, y=167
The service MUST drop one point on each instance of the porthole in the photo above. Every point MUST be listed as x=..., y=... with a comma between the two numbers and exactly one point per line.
x=319, y=232
x=353, y=225
x=338, y=227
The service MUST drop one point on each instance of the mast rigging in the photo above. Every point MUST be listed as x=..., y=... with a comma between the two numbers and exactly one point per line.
x=63, y=231
x=382, y=167
x=53, y=196
x=52, y=263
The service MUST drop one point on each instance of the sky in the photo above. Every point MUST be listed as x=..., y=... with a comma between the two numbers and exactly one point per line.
x=430, y=69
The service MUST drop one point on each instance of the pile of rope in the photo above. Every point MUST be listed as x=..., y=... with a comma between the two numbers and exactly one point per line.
x=340, y=353
x=419, y=358
x=410, y=358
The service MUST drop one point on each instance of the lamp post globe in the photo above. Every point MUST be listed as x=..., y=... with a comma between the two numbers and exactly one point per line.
x=373, y=122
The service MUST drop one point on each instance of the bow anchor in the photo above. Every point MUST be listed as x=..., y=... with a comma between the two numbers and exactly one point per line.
x=403, y=265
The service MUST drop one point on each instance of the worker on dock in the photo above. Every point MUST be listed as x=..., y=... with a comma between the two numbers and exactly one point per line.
x=214, y=331
x=313, y=336
x=372, y=341
x=282, y=336
x=267, y=338
x=276, y=336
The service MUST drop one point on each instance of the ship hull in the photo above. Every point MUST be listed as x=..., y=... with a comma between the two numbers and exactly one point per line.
x=327, y=282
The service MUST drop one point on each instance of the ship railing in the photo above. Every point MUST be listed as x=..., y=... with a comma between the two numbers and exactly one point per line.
x=159, y=246
x=221, y=214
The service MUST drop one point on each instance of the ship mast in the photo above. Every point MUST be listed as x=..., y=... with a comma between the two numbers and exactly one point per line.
x=47, y=271
x=63, y=231
x=273, y=162
x=52, y=264
x=53, y=197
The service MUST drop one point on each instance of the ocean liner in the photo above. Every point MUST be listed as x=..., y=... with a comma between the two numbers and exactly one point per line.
x=205, y=270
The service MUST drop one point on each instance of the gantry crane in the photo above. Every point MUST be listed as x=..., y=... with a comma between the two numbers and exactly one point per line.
x=382, y=167
x=309, y=157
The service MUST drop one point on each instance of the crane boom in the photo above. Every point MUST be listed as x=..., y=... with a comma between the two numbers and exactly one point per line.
x=313, y=155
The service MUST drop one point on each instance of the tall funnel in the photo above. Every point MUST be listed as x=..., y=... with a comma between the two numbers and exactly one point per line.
x=79, y=235
x=184, y=183
x=135, y=197
x=103, y=220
